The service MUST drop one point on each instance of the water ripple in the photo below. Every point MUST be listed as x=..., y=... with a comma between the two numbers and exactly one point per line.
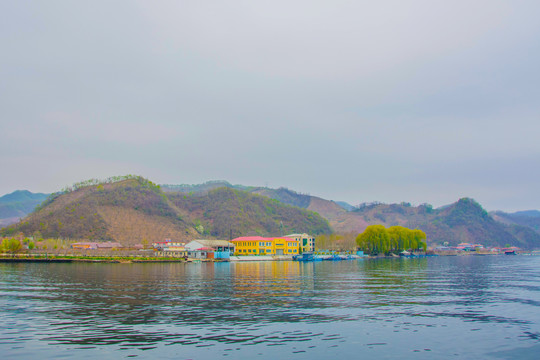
x=385, y=307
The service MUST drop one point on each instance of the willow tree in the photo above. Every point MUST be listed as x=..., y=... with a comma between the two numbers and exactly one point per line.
x=420, y=238
x=400, y=237
x=374, y=239
x=378, y=239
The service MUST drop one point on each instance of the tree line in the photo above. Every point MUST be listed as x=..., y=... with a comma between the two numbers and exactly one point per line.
x=377, y=239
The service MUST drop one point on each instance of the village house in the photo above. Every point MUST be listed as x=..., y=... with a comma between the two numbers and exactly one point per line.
x=257, y=245
x=170, y=248
x=464, y=247
x=168, y=245
x=86, y=245
x=219, y=249
x=202, y=253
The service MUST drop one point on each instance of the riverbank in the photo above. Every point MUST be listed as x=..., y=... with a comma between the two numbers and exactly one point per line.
x=127, y=260
x=87, y=259
x=56, y=258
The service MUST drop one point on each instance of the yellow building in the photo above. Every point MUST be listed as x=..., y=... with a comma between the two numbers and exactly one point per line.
x=257, y=245
x=307, y=242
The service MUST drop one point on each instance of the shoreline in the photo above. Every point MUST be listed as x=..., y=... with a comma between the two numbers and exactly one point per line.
x=23, y=258
x=89, y=259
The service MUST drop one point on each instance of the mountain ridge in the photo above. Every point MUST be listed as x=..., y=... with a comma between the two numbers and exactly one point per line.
x=462, y=221
x=132, y=210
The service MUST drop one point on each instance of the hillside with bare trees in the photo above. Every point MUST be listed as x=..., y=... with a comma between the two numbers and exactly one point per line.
x=133, y=210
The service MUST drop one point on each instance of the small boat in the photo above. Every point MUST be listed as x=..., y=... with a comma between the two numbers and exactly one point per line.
x=334, y=257
x=407, y=254
x=510, y=252
x=307, y=256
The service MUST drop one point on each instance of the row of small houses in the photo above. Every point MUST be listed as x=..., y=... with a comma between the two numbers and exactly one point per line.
x=475, y=247
x=106, y=245
x=292, y=244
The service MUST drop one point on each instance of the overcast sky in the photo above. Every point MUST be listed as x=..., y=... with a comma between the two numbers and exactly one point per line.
x=419, y=101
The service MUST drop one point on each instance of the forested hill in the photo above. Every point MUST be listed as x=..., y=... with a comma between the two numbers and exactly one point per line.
x=223, y=211
x=463, y=221
x=282, y=194
x=131, y=209
x=127, y=210
x=204, y=188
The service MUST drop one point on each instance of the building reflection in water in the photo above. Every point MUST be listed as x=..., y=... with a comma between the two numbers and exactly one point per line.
x=248, y=303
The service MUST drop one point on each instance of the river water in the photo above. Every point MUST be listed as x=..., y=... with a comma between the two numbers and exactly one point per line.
x=466, y=307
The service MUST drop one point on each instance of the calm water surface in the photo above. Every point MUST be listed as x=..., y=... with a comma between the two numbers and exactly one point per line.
x=481, y=307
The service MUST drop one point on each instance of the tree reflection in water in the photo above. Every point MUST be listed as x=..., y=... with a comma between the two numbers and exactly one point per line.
x=303, y=307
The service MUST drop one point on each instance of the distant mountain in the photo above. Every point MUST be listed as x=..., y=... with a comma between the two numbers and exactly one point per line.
x=18, y=204
x=529, y=218
x=134, y=209
x=462, y=221
x=526, y=213
x=345, y=205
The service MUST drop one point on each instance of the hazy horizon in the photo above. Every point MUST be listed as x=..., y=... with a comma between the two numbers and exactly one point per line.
x=316, y=195
x=417, y=101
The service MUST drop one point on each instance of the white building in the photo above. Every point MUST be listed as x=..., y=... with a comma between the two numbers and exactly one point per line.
x=217, y=245
x=307, y=242
x=168, y=245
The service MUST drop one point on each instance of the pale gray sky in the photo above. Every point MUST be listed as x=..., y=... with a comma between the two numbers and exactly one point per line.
x=420, y=101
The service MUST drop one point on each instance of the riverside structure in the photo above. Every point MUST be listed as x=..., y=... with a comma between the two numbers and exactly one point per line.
x=257, y=245
x=307, y=242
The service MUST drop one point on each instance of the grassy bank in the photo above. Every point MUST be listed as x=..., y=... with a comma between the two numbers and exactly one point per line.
x=81, y=258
